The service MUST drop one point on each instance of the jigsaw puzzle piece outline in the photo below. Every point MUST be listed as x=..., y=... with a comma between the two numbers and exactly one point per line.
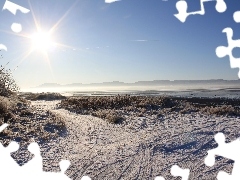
x=236, y=16
x=159, y=178
x=64, y=165
x=5, y=125
x=222, y=51
x=227, y=150
x=12, y=7
x=8, y=162
x=176, y=171
x=223, y=176
x=182, y=7
x=35, y=164
x=2, y=46
x=16, y=27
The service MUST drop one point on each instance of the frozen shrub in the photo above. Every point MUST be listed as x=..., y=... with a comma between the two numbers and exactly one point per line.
x=220, y=110
x=140, y=114
x=130, y=108
x=114, y=118
x=109, y=115
x=108, y=107
x=143, y=110
x=7, y=83
x=26, y=112
x=44, y=96
x=5, y=111
x=3, y=108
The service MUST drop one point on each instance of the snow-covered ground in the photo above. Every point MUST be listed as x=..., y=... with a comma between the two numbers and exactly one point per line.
x=140, y=148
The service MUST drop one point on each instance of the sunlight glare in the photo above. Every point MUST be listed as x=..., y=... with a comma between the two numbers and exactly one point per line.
x=41, y=41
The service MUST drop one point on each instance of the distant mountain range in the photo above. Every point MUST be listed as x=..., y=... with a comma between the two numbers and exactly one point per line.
x=146, y=83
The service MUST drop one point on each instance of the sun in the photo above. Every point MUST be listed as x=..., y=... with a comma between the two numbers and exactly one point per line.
x=41, y=41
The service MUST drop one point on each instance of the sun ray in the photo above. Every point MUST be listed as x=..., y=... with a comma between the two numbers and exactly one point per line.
x=67, y=46
x=49, y=63
x=34, y=17
x=63, y=17
x=15, y=34
x=42, y=41
x=24, y=57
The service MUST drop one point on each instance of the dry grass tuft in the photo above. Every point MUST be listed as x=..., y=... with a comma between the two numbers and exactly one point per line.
x=42, y=96
x=111, y=107
x=220, y=110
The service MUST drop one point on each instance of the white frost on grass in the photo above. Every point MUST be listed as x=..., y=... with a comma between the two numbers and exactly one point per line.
x=141, y=147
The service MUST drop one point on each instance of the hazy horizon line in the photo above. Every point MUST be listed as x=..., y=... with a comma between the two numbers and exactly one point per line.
x=146, y=81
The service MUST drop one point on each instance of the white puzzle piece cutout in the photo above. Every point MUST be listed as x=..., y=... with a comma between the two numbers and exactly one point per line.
x=182, y=7
x=227, y=150
x=12, y=7
x=33, y=169
x=176, y=171
x=2, y=46
x=222, y=51
x=159, y=178
x=16, y=27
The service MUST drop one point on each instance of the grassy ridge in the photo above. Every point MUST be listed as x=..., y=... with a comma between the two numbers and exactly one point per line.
x=111, y=108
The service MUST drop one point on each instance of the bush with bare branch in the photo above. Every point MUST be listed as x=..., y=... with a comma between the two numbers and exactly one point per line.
x=7, y=84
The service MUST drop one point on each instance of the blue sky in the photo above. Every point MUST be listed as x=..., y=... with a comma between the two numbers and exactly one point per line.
x=129, y=41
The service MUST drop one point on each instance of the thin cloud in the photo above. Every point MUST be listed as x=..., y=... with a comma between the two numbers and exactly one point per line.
x=142, y=40
x=111, y=1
